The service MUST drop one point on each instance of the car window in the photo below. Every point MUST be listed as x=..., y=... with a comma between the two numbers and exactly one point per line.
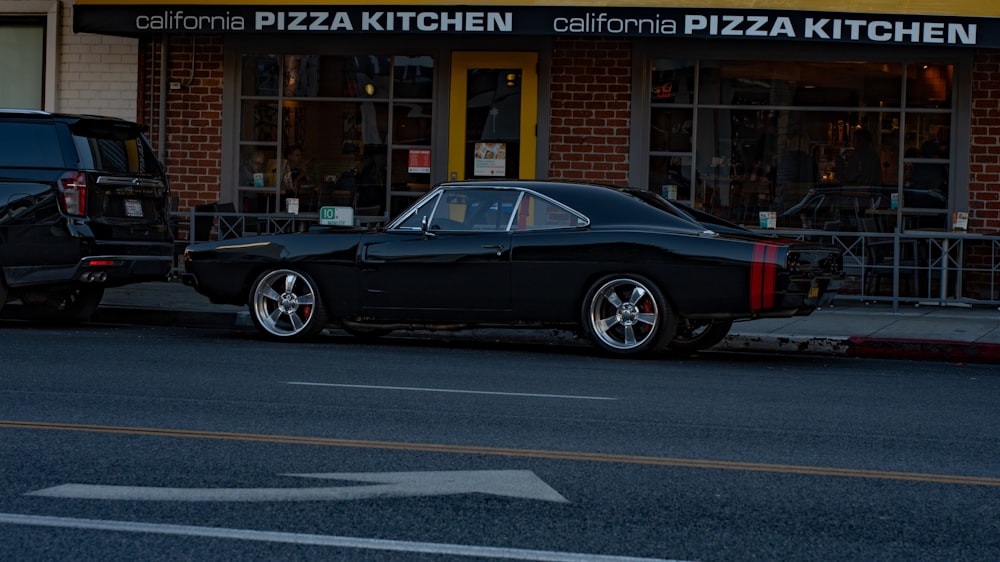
x=536, y=213
x=29, y=145
x=414, y=219
x=482, y=209
x=490, y=209
x=114, y=150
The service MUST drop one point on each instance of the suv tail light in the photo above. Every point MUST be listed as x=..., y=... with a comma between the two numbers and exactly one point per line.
x=73, y=193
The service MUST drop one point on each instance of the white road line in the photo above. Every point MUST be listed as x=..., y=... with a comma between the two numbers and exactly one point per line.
x=415, y=389
x=315, y=540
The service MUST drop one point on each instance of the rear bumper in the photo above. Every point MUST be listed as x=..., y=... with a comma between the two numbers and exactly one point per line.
x=98, y=270
x=802, y=296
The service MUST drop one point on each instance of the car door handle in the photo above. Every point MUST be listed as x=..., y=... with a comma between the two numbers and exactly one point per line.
x=498, y=247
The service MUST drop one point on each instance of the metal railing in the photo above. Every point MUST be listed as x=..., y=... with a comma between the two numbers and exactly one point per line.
x=917, y=266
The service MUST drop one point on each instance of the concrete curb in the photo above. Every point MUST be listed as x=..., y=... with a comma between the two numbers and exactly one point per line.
x=820, y=345
x=924, y=350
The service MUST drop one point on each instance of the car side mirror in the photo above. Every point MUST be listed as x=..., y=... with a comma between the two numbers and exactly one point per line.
x=425, y=228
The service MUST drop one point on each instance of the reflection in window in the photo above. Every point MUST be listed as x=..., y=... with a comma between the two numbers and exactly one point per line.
x=673, y=82
x=22, y=50
x=343, y=113
x=535, y=213
x=772, y=135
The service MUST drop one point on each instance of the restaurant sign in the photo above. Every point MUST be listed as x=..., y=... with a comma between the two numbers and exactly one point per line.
x=899, y=29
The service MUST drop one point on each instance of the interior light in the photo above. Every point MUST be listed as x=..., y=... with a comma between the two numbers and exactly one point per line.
x=370, y=89
x=511, y=79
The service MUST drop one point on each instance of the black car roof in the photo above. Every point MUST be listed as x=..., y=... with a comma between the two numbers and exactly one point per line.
x=604, y=205
x=72, y=119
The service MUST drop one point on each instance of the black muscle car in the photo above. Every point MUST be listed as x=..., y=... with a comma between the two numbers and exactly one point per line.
x=631, y=270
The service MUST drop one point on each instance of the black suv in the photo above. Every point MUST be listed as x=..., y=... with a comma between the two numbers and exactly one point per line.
x=84, y=205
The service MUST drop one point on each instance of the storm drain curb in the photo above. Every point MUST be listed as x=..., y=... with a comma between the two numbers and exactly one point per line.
x=925, y=350
x=822, y=345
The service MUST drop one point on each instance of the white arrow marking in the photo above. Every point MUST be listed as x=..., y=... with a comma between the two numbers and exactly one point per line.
x=452, y=391
x=446, y=549
x=510, y=483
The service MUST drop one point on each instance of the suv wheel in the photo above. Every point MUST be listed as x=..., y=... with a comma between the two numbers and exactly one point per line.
x=74, y=305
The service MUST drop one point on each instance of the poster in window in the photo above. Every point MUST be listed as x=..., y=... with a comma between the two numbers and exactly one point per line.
x=419, y=161
x=490, y=159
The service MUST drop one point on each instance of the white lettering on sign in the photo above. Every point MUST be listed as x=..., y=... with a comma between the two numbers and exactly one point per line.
x=486, y=22
x=179, y=21
x=757, y=24
x=882, y=31
x=603, y=23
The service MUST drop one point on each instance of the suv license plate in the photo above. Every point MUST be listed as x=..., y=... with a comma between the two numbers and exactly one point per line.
x=133, y=208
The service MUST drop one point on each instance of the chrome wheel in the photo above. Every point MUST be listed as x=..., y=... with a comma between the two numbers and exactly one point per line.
x=284, y=304
x=695, y=335
x=628, y=315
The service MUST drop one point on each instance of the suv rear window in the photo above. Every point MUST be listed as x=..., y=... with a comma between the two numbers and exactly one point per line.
x=29, y=145
x=114, y=150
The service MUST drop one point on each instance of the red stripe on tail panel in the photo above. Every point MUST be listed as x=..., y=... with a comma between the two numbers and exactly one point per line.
x=770, y=277
x=756, y=276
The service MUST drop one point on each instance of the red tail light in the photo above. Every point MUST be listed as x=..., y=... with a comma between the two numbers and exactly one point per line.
x=73, y=194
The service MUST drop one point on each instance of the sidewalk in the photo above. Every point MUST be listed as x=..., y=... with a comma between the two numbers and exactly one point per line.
x=846, y=328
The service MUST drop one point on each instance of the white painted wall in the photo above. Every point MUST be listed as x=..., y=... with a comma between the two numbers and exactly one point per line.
x=96, y=73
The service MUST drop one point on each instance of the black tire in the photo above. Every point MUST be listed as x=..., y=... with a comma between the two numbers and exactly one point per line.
x=696, y=335
x=628, y=315
x=74, y=305
x=285, y=305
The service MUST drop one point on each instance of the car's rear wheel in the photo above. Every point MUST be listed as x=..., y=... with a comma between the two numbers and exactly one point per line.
x=695, y=335
x=627, y=315
x=73, y=305
x=285, y=304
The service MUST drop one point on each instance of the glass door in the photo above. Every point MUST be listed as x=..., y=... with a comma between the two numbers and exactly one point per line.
x=494, y=116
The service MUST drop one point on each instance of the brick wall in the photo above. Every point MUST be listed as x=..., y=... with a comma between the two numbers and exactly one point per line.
x=984, y=148
x=591, y=103
x=193, y=153
x=97, y=73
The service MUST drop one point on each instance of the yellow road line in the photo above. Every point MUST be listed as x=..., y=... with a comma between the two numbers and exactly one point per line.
x=511, y=452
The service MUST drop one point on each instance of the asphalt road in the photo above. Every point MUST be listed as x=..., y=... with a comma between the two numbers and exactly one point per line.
x=158, y=443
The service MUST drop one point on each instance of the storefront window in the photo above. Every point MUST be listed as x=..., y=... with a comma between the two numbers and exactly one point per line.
x=771, y=135
x=22, y=51
x=320, y=129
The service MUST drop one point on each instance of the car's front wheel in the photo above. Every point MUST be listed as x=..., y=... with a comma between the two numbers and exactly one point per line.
x=627, y=315
x=285, y=304
x=696, y=335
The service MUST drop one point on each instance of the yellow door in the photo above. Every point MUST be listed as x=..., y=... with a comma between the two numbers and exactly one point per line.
x=494, y=113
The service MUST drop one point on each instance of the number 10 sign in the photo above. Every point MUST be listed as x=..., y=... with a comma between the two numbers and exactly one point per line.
x=336, y=216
